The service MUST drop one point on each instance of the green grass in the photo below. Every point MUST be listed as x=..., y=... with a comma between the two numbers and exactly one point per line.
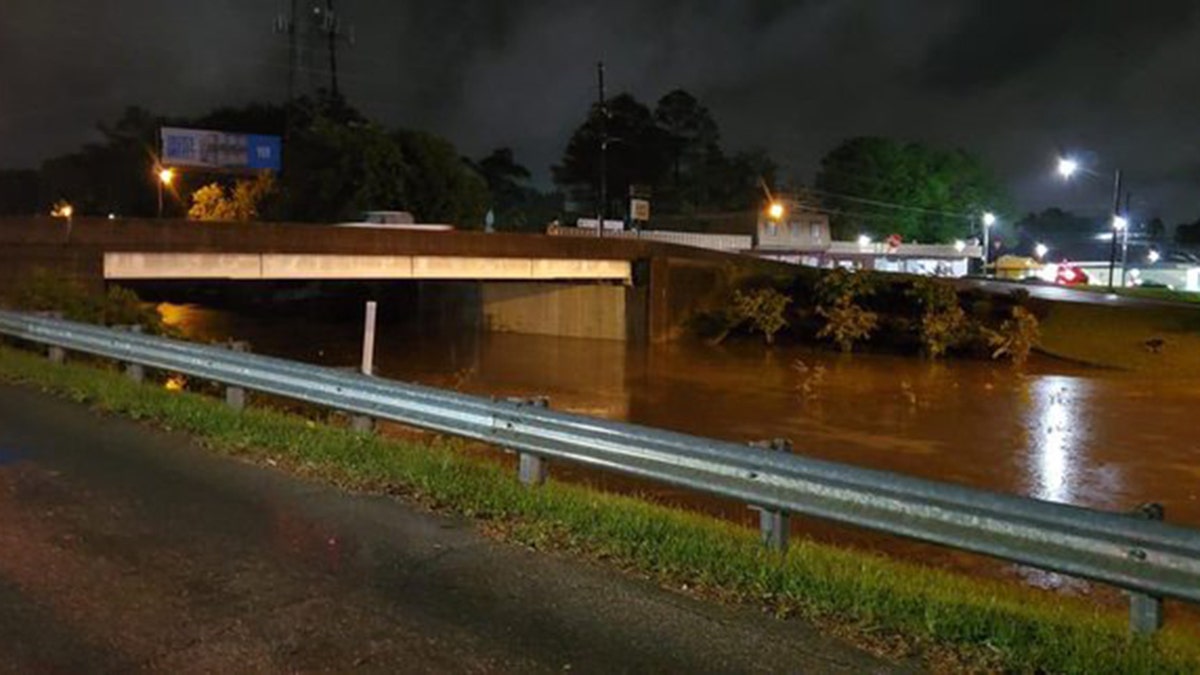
x=973, y=623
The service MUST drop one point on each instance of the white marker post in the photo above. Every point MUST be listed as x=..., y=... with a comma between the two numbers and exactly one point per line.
x=362, y=423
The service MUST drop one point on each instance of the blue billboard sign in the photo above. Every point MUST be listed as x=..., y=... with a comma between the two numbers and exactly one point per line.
x=220, y=151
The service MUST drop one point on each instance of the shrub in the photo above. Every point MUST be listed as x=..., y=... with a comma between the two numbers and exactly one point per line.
x=846, y=322
x=944, y=324
x=115, y=306
x=1017, y=336
x=764, y=309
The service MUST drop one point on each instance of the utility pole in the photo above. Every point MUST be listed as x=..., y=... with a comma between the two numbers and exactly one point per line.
x=1125, y=238
x=603, y=204
x=287, y=24
x=326, y=22
x=1116, y=214
x=332, y=30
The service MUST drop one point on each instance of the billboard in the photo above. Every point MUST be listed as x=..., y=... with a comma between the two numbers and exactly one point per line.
x=220, y=151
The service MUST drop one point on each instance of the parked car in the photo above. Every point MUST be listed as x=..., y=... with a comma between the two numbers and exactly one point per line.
x=1070, y=275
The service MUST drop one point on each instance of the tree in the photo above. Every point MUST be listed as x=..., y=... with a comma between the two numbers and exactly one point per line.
x=692, y=143
x=212, y=202
x=637, y=154
x=441, y=186
x=332, y=171
x=880, y=186
x=508, y=186
x=1156, y=230
x=1187, y=234
x=19, y=192
x=115, y=176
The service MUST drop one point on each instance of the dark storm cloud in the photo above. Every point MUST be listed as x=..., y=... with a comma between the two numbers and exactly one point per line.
x=1016, y=81
x=1001, y=40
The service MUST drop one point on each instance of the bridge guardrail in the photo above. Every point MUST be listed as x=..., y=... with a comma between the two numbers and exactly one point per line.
x=1150, y=559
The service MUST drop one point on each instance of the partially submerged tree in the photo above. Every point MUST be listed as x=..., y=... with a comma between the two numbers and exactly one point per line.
x=846, y=321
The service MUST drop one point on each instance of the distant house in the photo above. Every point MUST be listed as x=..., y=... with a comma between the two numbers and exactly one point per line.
x=800, y=230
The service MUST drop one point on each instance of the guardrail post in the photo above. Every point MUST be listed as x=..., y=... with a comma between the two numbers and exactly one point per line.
x=532, y=469
x=134, y=371
x=55, y=353
x=774, y=526
x=235, y=397
x=1146, y=610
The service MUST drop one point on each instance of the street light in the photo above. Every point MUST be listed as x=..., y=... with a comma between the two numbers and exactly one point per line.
x=166, y=176
x=1153, y=256
x=1041, y=250
x=864, y=240
x=776, y=211
x=1067, y=167
x=989, y=219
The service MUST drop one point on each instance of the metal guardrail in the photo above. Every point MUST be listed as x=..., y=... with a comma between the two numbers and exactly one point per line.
x=1135, y=552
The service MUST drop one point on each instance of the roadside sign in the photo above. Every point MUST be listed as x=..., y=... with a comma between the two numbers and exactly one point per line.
x=217, y=150
x=639, y=209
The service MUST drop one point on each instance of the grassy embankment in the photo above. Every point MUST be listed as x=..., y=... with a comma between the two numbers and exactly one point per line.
x=1124, y=338
x=966, y=623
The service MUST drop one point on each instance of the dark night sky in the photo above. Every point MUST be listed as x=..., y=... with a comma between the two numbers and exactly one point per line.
x=1014, y=80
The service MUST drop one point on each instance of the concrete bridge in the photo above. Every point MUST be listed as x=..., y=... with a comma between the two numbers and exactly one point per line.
x=602, y=288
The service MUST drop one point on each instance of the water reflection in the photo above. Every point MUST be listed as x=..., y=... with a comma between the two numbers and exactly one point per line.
x=1058, y=436
x=1057, y=432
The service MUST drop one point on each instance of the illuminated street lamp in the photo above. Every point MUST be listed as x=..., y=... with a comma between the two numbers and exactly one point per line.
x=1041, y=250
x=864, y=240
x=989, y=219
x=776, y=211
x=166, y=177
x=1067, y=167
x=1153, y=256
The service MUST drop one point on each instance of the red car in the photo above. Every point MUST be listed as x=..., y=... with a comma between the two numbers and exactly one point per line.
x=1070, y=275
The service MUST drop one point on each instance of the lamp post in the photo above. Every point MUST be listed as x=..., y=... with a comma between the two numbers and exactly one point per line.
x=989, y=219
x=1067, y=167
x=166, y=176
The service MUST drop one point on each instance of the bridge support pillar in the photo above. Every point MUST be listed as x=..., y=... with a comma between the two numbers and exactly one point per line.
x=585, y=310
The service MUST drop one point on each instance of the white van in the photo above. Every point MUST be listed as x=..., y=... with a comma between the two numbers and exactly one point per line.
x=394, y=220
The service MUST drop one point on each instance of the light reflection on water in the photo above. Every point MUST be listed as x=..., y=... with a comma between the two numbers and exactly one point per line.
x=1058, y=436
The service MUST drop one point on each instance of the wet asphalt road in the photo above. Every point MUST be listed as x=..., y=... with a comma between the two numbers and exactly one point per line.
x=129, y=549
x=1060, y=293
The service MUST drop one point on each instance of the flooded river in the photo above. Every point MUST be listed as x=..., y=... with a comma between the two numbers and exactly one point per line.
x=1057, y=432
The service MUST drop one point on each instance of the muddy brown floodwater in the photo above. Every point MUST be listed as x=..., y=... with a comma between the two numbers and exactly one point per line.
x=1056, y=432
